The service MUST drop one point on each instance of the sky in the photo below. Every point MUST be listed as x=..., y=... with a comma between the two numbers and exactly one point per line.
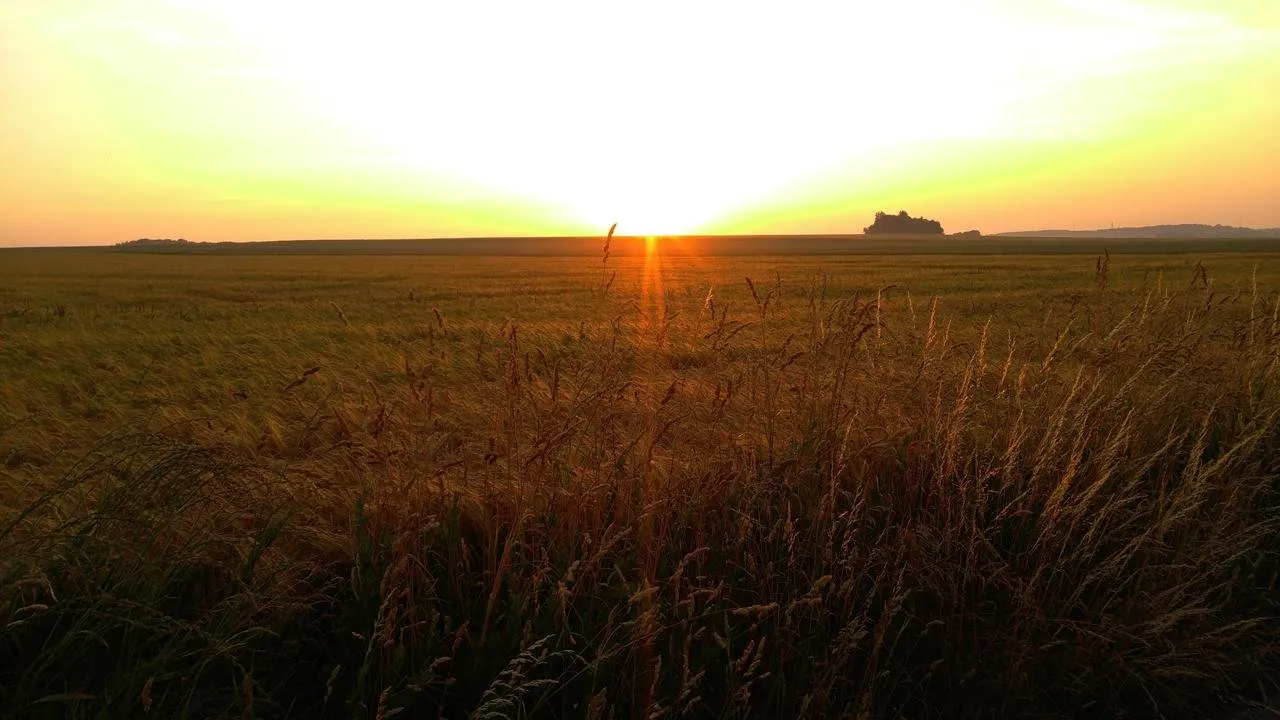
x=216, y=120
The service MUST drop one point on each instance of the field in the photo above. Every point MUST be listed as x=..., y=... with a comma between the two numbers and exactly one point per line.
x=338, y=485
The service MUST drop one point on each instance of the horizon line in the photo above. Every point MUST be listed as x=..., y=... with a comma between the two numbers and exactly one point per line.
x=1036, y=234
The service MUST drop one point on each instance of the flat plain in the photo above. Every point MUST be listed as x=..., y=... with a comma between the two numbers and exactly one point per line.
x=654, y=484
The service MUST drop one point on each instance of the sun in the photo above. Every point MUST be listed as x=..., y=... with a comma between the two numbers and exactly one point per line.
x=565, y=117
x=596, y=134
x=641, y=208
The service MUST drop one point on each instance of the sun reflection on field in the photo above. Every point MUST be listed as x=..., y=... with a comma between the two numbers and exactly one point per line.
x=653, y=298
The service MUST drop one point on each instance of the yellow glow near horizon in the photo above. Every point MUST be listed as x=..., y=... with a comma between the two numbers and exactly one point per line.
x=233, y=119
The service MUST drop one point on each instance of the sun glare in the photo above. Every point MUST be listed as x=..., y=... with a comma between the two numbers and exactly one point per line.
x=653, y=295
x=660, y=124
x=667, y=117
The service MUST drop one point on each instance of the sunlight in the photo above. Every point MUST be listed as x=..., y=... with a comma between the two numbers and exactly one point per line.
x=562, y=117
x=653, y=296
x=665, y=126
x=664, y=138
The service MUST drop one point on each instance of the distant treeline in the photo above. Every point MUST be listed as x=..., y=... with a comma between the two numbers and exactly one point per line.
x=903, y=224
x=155, y=242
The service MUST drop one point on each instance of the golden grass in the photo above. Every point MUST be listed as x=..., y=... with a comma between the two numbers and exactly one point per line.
x=356, y=487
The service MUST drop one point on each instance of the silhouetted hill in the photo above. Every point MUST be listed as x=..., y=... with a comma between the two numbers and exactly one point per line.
x=1155, y=231
x=714, y=245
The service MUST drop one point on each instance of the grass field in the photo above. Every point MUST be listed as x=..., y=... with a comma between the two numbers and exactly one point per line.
x=802, y=486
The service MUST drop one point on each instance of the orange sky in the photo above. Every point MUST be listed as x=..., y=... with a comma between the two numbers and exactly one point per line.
x=250, y=120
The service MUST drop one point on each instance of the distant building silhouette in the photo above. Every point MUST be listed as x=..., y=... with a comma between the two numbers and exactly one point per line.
x=903, y=224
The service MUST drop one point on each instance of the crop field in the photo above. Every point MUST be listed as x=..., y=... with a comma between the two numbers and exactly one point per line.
x=638, y=486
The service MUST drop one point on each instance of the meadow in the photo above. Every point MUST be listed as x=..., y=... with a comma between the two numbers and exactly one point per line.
x=340, y=485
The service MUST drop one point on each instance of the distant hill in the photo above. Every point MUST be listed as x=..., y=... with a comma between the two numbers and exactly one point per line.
x=967, y=243
x=1155, y=231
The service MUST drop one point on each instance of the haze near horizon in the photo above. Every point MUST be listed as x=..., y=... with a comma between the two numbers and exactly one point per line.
x=236, y=120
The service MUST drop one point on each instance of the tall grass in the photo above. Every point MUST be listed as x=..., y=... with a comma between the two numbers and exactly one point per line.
x=776, y=502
